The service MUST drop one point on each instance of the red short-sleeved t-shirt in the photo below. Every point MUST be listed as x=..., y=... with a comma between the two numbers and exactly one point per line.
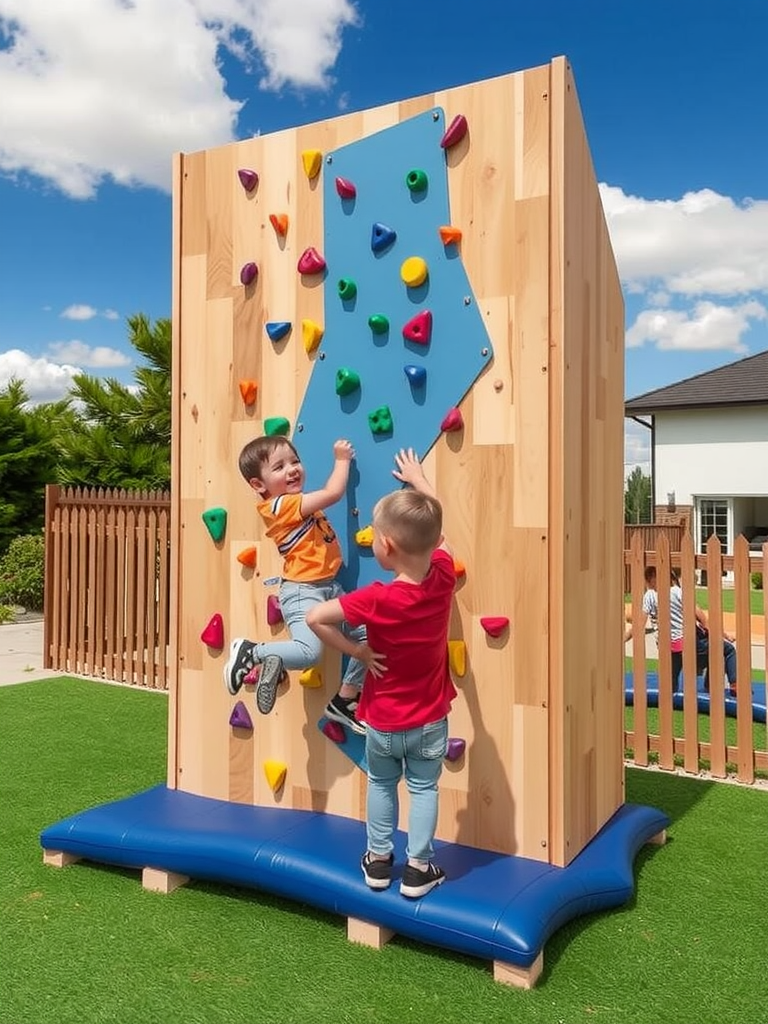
x=408, y=623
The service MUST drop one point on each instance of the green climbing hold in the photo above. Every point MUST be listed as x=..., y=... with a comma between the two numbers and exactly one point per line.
x=216, y=521
x=347, y=381
x=416, y=180
x=380, y=420
x=347, y=289
x=274, y=425
x=378, y=323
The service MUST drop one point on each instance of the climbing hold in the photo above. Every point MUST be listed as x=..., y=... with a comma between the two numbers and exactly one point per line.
x=378, y=323
x=249, y=273
x=248, y=179
x=213, y=634
x=419, y=328
x=364, y=537
x=416, y=375
x=494, y=625
x=277, y=329
x=274, y=611
x=275, y=772
x=311, y=677
x=274, y=425
x=455, y=131
x=457, y=657
x=416, y=180
x=380, y=420
x=414, y=271
x=449, y=235
x=311, y=262
x=381, y=237
x=312, y=334
x=216, y=521
x=345, y=188
x=279, y=222
x=456, y=748
x=334, y=731
x=347, y=289
x=248, y=391
x=251, y=678
x=240, y=719
x=453, y=420
x=459, y=569
x=313, y=161
x=248, y=557
x=347, y=381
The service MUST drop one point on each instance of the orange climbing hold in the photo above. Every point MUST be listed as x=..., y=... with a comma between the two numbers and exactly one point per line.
x=248, y=557
x=279, y=222
x=494, y=625
x=248, y=390
x=459, y=569
x=449, y=235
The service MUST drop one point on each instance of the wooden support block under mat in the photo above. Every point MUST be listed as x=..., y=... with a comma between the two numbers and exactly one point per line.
x=519, y=977
x=59, y=859
x=659, y=839
x=367, y=933
x=156, y=880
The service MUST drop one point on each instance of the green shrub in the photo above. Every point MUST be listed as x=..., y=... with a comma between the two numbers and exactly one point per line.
x=7, y=614
x=757, y=581
x=22, y=572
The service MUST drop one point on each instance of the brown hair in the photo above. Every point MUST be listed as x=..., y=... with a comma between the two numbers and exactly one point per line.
x=259, y=451
x=413, y=520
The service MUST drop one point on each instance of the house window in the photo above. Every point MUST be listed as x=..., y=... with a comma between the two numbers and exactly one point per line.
x=713, y=518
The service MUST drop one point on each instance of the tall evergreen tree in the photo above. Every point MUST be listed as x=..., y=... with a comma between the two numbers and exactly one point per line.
x=637, y=498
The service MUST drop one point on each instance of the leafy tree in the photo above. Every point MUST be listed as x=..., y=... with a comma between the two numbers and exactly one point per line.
x=637, y=497
x=122, y=437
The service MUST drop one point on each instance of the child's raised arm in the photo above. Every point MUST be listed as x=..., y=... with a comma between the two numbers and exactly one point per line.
x=410, y=471
x=335, y=485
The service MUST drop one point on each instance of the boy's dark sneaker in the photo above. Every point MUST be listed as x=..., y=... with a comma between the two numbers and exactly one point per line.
x=342, y=709
x=270, y=674
x=241, y=662
x=378, y=873
x=417, y=883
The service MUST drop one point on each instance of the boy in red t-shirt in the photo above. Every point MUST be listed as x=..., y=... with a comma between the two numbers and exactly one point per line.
x=311, y=558
x=408, y=689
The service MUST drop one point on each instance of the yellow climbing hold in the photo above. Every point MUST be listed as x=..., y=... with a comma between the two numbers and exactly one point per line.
x=364, y=537
x=414, y=271
x=311, y=677
x=457, y=657
x=312, y=334
x=313, y=161
x=275, y=772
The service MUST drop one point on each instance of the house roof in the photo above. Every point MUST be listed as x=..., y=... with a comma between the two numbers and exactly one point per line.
x=744, y=382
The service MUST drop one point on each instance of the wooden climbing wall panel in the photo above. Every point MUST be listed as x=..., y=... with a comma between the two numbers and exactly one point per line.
x=531, y=485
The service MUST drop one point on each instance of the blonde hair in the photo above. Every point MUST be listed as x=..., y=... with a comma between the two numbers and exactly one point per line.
x=413, y=520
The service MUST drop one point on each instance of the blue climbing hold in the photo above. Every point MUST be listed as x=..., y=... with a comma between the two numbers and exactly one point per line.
x=381, y=237
x=417, y=375
x=277, y=329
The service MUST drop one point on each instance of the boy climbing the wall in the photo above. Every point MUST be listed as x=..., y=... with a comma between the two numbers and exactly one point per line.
x=408, y=689
x=311, y=558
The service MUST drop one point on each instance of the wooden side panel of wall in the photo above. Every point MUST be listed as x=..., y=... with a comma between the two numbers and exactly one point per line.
x=586, y=472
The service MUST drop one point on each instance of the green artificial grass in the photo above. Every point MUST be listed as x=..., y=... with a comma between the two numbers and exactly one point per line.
x=87, y=945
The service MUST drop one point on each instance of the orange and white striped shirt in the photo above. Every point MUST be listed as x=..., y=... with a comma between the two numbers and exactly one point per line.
x=307, y=544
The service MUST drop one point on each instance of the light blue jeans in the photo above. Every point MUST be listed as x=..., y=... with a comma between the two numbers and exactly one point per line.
x=304, y=648
x=418, y=754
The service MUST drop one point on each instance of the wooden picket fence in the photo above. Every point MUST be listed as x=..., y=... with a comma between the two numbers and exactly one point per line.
x=685, y=740
x=107, y=594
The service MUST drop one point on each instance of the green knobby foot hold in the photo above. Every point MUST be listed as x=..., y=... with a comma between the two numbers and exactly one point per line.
x=347, y=381
x=276, y=425
x=380, y=420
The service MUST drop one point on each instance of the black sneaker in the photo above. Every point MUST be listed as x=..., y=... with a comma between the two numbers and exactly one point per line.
x=240, y=663
x=270, y=674
x=378, y=873
x=342, y=709
x=418, y=883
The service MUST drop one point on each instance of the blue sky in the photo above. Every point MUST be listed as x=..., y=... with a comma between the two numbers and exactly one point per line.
x=98, y=95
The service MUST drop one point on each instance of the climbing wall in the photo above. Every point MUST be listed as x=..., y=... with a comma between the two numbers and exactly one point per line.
x=435, y=273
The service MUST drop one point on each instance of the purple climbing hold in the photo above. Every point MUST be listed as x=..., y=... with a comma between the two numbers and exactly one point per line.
x=240, y=719
x=248, y=179
x=456, y=748
x=249, y=273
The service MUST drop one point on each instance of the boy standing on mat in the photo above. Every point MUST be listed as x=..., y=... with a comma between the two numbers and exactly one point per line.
x=311, y=558
x=408, y=690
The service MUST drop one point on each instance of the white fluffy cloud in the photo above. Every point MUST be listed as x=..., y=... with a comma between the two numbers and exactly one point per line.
x=43, y=380
x=93, y=357
x=115, y=87
x=706, y=327
x=79, y=312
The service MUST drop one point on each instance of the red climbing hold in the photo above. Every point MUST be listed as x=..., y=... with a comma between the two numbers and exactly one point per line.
x=334, y=731
x=311, y=262
x=453, y=421
x=274, y=611
x=455, y=131
x=213, y=634
x=346, y=188
x=419, y=328
x=494, y=625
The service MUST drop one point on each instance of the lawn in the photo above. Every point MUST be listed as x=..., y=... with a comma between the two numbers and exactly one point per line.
x=756, y=600
x=88, y=944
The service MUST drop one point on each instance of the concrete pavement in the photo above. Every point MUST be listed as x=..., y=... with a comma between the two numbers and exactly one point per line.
x=21, y=652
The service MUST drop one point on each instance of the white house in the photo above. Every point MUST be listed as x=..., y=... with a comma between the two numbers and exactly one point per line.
x=709, y=451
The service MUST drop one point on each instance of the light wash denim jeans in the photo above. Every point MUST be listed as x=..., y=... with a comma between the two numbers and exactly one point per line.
x=304, y=648
x=417, y=753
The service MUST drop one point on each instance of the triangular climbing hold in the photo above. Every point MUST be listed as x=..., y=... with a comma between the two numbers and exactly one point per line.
x=310, y=262
x=274, y=425
x=248, y=557
x=494, y=625
x=457, y=657
x=213, y=634
x=312, y=334
x=277, y=329
x=275, y=772
x=419, y=328
x=279, y=222
x=248, y=179
x=215, y=520
x=381, y=237
x=312, y=159
x=249, y=389
x=274, y=611
x=455, y=131
x=453, y=420
x=456, y=748
x=459, y=569
x=311, y=677
x=334, y=731
x=240, y=718
x=449, y=235
x=346, y=188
